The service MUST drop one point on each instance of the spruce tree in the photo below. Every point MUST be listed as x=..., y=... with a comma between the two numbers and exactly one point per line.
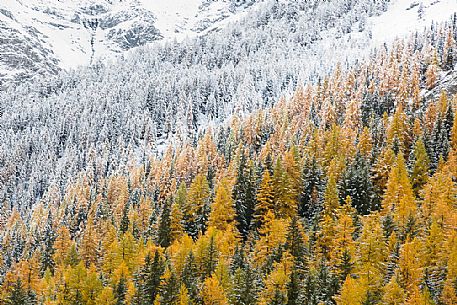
x=245, y=287
x=309, y=202
x=189, y=276
x=294, y=288
x=47, y=256
x=164, y=231
x=124, y=225
x=357, y=184
x=121, y=291
x=244, y=196
x=295, y=244
x=170, y=292
x=279, y=298
x=17, y=295
x=153, y=277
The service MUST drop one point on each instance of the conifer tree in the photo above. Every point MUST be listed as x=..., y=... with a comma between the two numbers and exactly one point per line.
x=153, y=277
x=189, y=277
x=222, y=213
x=399, y=197
x=17, y=295
x=265, y=199
x=164, y=233
x=121, y=291
x=125, y=222
x=245, y=287
x=170, y=291
x=393, y=293
x=244, y=197
x=313, y=186
x=331, y=200
x=357, y=184
x=294, y=288
x=89, y=244
x=420, y=166
x=295, y=244
x=197, y=199
x=213, y=293
x=47, y=256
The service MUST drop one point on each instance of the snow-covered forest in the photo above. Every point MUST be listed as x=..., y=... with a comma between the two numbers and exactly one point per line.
x=111, y=112
x=285, y=159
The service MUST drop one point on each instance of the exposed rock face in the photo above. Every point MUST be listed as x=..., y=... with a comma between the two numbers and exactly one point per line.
x=41, y=37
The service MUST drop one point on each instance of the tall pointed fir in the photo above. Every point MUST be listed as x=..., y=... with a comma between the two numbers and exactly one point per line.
x=47, y=256
x=357, y=184
x=244, y=196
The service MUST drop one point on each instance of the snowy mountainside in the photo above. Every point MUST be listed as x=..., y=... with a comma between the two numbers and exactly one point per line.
x=406, y=16
x=105, y=114
x=43, y=36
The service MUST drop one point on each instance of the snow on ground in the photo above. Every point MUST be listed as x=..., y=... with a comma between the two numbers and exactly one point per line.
x=59, y=26
x=404, y=17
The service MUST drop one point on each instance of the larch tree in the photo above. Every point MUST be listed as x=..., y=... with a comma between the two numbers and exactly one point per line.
x=222, y=212
x=198, y=199
x=399, y=197
x=213, y=293
x=420, y=166
x=265, y=199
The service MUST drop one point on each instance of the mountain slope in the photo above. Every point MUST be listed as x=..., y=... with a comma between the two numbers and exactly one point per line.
x=43, y=36
x=169, y=93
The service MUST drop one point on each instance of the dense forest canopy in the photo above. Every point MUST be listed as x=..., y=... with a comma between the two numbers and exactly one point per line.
x=110, y=113
x=345, y=193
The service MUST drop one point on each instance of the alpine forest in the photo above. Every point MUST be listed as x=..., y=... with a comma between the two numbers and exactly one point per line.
x=344, y=192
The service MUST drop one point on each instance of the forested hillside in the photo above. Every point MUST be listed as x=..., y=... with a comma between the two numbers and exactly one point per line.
x=111, y=112
x=344, y=193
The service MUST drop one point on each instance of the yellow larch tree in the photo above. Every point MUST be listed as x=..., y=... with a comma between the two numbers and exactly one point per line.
x=223, y=212
x=399, y=198
x=213, y=293
x=265, y=199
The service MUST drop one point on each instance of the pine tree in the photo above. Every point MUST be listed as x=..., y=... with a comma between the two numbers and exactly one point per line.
x=170, y=291
x=153, y=277
x=279, y=298
x=294, y=288
x=189, y=277
x=295, y=244
x=47, y=256
x=357, y=184
x=245, y=287
x=164, y=236
x=331, y=200
x=244, y=197
x=313, y=186
x=326, y=284
x=125, y=222
x=209, y=262
x=121, y=291
x=17, y=295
